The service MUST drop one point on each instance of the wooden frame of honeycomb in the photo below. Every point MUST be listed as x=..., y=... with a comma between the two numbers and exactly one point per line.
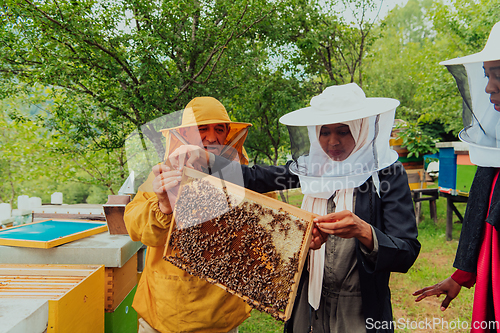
x=251, y=245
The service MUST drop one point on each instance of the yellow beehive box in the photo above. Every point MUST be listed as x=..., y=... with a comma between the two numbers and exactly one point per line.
x=247, y=243
x=119, y=282
x=75, y=293
x=416, y=178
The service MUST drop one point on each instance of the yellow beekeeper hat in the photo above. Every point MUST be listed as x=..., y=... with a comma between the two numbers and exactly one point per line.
x=203, y=111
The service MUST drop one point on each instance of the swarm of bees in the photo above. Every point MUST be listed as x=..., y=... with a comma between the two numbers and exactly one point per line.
x=251, y=250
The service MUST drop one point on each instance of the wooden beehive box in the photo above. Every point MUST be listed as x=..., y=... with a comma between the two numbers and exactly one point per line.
x=119, y=281
x=124, y=318
x=75, y=293
x=49, y=233
x=456, y=171
x=249, y=244
x=114, y=210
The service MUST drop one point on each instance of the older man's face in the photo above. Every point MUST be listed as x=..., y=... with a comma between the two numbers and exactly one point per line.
x=211, y=136
x=492, y=72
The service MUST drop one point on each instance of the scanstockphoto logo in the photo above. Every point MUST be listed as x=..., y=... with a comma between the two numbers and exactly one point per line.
x=330, y=185
x=319, y=178
x=434, y=324
x=337, y=168
x=310, y=167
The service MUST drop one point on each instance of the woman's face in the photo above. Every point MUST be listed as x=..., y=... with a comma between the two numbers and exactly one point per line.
x=337, y=141
x=492, y=72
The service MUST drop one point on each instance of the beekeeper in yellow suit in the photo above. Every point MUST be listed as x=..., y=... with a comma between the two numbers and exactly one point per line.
x=168, y=299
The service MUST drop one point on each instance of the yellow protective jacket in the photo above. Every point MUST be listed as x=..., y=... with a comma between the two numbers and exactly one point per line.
x=168, y=298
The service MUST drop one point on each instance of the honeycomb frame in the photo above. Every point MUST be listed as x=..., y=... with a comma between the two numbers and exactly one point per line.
x=255, y=248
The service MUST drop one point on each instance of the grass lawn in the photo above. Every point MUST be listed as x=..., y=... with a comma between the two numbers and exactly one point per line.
x=433, y=265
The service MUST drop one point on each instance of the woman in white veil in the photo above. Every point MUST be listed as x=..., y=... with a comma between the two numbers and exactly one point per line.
x=350, y=177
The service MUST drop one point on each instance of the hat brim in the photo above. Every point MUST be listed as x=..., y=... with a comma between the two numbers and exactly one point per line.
x=485, y=55
x=483, y=156
x=235, y=123
x=310, y=116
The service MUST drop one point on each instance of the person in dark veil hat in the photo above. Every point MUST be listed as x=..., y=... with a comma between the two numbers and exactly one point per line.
x=478, y=255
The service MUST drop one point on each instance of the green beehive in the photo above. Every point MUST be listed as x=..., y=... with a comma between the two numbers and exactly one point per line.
x=124, y=318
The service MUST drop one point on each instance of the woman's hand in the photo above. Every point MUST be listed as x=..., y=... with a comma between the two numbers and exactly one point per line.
x=448, y=287
x=318, y=238
x=346, y=224
x=189, y=155
x=166, y=181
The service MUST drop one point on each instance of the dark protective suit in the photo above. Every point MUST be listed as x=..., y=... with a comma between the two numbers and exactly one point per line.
x=392, y=216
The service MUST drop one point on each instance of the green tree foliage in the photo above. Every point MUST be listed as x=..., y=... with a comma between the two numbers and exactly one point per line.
x=404, y=62
x=36, y=161
x=123, y=63
x=467, y=23
x=25, y=158
x=329, y=48
x=416, y=141
x=75, y=193
x=89, y=72
x=267, y=97
x=112, y=66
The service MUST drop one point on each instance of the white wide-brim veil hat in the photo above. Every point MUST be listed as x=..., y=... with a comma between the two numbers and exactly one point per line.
x=481, y=121
x=320, y=176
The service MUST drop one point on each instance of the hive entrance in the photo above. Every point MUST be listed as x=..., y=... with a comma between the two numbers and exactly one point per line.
x=249, y=244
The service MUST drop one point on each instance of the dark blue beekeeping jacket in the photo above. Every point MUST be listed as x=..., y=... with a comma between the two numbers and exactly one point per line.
x=392, y=216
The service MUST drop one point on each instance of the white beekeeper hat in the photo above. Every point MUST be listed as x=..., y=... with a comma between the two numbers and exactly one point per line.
x=337, y=104
x=481, y=120
x=370, y=118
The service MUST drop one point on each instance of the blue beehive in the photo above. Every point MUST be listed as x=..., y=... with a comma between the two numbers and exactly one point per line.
x=456, y=171
x=447, y=168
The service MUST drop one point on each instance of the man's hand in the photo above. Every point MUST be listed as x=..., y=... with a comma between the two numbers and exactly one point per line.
x=346, y=224
x=189, y=155
x=165, y=182
x=448, y=287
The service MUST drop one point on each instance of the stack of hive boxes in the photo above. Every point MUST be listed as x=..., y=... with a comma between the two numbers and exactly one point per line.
x=120, y=286
x=60, y=298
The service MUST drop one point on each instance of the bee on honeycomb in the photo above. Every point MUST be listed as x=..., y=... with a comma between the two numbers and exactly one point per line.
x=251, y=250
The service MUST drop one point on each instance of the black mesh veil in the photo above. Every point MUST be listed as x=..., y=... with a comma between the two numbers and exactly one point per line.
x=460, y=75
